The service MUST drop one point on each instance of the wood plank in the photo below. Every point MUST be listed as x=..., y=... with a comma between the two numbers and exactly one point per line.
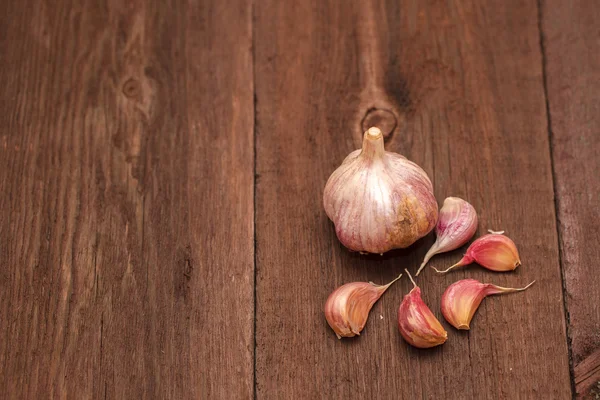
x=463, y=83
x=126, y=223
x=571, y=41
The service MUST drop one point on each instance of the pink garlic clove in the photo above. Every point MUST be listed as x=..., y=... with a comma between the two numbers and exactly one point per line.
x=347, y=308
x=462, y=298
x=494, y=252
x=416, y=323
x=456, y=225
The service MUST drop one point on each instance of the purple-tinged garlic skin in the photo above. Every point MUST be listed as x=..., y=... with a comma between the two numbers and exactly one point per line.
x=347, y=307
x=456, y=225
x=494, y=251
x=379, y=200
x=462, y=299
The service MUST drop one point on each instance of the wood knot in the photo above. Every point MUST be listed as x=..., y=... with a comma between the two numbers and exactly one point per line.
x=385, y=120
x=132, y=88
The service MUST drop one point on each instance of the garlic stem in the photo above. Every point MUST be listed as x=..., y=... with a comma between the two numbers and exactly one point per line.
x=411, y=278
x=432, y=252
x=373, y=144
x=512, y=290
x=389, y=284
x=374, y=132
x=466, y=260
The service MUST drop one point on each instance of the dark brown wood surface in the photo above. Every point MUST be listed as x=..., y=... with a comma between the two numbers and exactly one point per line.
x=127, y=200
x=572, y=47
x=470, y=103
x=162, y=166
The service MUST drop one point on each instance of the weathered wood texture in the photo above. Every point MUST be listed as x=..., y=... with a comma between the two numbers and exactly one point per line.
x=126, y=223
x=571, y=39
x=129, y=180
x=462, y=82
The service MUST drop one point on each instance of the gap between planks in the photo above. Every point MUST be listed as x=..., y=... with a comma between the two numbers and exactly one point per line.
x=556, y=199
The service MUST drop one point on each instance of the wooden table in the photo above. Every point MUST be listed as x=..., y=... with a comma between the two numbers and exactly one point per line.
x=162, y=165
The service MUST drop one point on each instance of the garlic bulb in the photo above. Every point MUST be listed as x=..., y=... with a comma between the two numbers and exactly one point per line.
x=456, y=226
x=379, y=200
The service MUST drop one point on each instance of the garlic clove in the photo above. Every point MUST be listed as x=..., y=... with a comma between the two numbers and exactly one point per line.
x=456, y=225
x=416, y=323
x=379, y=200
x=462, y=298
x=494, y=251
x=347, y=307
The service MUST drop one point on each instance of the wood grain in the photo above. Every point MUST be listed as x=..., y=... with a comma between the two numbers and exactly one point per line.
x=572, y=48
x=127, y=235
x=464, y=82
x=126, y=222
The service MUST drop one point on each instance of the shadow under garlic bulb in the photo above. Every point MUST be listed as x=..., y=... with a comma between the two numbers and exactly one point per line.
x=378, y=200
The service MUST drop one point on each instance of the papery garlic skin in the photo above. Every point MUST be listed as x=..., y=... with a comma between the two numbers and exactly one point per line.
x=379, y=200
x=417, y=324
x=462, y=299
x=347, y=308
x=495, y=252
x=456, y=225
